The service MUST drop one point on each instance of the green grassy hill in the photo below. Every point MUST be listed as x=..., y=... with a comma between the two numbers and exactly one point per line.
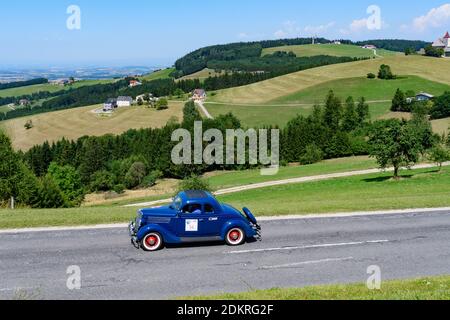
x=49, y=87
x=342, y=50
x=295, y=93
x=161, y=74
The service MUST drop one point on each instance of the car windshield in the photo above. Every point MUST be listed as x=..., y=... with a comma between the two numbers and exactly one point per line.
x=177, y=203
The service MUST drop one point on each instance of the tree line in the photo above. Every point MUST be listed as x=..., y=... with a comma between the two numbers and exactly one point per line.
x=18, y=84
x=225, y=55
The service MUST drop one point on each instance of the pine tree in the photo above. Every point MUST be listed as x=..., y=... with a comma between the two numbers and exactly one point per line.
x=332, y=112
x=399, y=101
x=363, y=111
x=350, y=117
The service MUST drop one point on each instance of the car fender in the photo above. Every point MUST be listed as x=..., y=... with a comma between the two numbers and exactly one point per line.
x=249, y=232
x=168, y=237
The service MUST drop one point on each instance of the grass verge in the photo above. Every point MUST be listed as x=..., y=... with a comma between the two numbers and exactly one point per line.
x=424, y=188
x=417, y=189
x=430, y=288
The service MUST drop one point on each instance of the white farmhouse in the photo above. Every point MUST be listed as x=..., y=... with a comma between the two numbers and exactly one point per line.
x=124, y=102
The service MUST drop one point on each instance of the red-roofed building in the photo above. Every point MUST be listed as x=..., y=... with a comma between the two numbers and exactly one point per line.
x=443, y=43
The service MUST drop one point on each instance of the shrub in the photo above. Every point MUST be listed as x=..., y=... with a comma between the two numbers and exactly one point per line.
x=50, y=195
x=441, y=107
x=385, y=72
x=150, y=180
x=102, y=181
x=194, y=183
x=371, y=75
x=28, y=125
x=439, y=154
x=162, y=104
x=119, y=188
x=135, y=175
x=68, y=180
x=313, y=154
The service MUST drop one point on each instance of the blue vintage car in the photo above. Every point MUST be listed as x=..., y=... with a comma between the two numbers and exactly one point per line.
x=193, y=216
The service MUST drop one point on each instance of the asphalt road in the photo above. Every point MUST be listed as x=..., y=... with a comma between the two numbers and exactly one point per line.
x=293, y=253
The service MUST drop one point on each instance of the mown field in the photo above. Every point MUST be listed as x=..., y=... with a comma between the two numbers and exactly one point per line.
x=417, y=189
x=77, y=122
x=343, y=50
x=371, y=89
x=430, y=288
x=433, y=69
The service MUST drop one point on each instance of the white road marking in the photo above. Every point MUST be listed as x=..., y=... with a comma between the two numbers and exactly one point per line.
x=290, y=265
x=327, y=245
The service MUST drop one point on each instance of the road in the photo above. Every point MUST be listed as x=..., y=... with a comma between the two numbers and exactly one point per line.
x=293, y=253
x=204, y=110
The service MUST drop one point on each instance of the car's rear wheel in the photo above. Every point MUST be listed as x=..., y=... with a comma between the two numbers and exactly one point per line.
x=152, y=242
x=235, y=237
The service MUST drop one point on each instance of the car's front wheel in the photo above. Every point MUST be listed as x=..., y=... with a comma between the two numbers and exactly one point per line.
x=235, y=237
x=152, y=242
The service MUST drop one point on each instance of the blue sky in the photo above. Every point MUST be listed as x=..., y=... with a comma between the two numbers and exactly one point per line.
x=148, y=32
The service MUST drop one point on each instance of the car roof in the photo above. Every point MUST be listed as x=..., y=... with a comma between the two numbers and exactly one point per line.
x=197, y=196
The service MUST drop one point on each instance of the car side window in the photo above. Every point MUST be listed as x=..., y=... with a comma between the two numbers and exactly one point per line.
x=192, y=209
x=209, y=209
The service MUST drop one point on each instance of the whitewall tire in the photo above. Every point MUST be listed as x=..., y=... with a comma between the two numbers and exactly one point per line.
x=235, y=237
x=152, y=242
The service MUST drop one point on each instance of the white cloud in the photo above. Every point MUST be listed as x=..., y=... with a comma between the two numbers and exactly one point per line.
x=360, y=26
x=280, y=34
x=436, y=17
x=313, y=30
x=289, y=29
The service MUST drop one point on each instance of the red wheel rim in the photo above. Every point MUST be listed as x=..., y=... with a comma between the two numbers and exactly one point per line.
x=234, y=235
x=152, y=241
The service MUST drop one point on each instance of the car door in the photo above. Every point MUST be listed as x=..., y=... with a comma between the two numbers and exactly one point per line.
x=212, y=223
x=189, y=221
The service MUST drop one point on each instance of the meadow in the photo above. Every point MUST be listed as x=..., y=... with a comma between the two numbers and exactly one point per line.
x=160, y=74
x=343, y=50
x=228, y=179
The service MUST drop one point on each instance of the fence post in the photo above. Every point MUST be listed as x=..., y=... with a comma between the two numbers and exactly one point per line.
x=12, y=203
